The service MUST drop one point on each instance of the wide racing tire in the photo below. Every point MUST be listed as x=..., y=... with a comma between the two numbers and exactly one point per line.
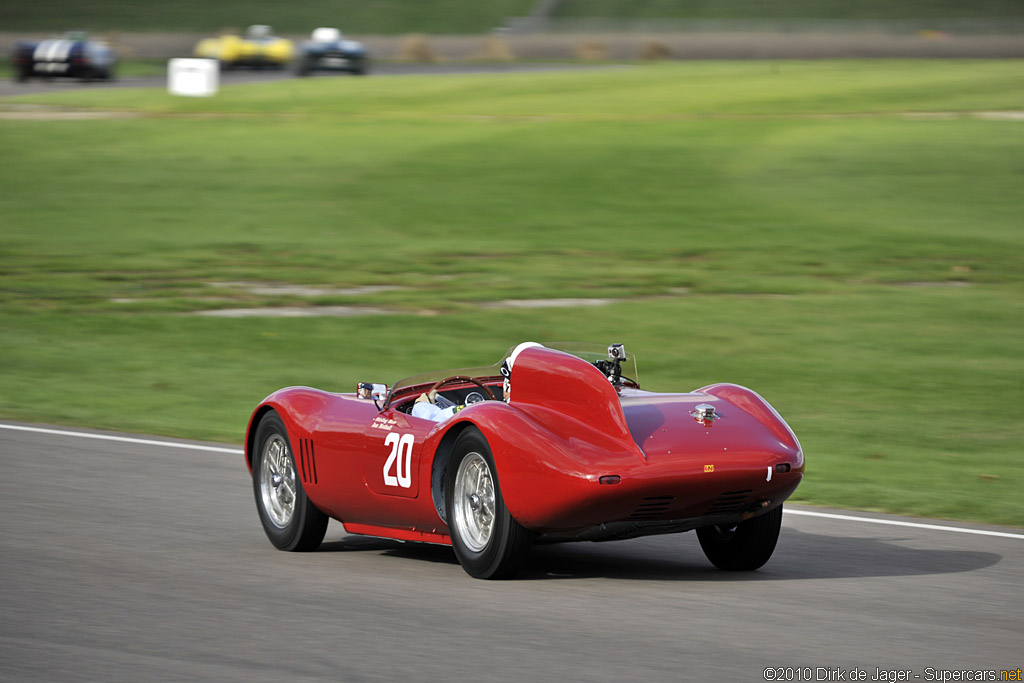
x=488, y=542
x=745, y=546
x=289, y=518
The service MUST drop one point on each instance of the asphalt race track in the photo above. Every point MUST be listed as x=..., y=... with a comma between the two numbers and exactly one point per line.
x=130, y=560
x=9, y=87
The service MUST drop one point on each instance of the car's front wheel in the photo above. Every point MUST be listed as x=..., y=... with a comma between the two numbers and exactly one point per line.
x=488, y=542
x=289, y=518
x=745, y=546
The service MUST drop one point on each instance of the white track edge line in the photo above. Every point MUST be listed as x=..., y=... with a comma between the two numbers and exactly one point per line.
x=125, y=439
x=788, y=511
x=913, y=525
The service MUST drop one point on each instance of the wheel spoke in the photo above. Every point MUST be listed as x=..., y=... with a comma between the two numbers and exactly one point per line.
x=473, y=513
x=277, y=482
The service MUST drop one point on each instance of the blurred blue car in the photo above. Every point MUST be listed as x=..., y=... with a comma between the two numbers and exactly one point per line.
x=72, y=56
x=328, y=50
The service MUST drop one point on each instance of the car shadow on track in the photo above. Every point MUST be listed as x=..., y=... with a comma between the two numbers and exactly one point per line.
x=424, y=552
x=800, y=555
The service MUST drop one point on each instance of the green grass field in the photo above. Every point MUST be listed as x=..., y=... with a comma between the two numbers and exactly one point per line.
x=844, y=237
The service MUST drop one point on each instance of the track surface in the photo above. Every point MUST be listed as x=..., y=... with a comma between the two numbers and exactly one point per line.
x=9, y=88
x=130, y=561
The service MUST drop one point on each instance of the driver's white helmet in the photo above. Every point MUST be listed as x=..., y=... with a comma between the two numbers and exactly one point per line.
x=506, y=367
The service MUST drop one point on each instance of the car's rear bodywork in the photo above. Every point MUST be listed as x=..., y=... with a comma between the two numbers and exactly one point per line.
x=257, y=49
x=72, y=56
x=327, y=50
x=577, y=456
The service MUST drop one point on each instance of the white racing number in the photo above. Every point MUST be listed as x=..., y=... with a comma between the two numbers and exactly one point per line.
x=400, y=460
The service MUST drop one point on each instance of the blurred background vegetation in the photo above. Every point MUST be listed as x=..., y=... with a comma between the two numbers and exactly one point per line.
x=354, y=16
x=788, y=9
x=472, y=16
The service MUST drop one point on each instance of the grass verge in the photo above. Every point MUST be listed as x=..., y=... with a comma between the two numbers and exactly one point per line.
x=843, y=237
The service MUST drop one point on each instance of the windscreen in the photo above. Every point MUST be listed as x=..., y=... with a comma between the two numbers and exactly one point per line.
x=587, y=351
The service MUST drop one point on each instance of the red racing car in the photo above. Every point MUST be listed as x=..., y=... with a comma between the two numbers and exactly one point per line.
x=554, y=441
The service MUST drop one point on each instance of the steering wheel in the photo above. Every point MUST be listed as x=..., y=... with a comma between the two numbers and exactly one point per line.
x=461, y=378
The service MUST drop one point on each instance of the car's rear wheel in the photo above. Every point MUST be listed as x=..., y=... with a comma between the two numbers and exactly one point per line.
x=745, y=546
x=488, y=542
x=289, y=518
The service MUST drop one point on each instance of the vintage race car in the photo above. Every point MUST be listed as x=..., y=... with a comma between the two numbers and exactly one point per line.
x=257, y=49
x=72, y=56
x=327, y=50
x=555, y=442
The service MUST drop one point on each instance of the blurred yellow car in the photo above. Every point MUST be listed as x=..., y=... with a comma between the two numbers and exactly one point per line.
x=257, y=49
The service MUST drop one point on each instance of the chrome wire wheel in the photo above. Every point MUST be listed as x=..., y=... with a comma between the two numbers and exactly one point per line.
x=277, y=481
x=473, y=499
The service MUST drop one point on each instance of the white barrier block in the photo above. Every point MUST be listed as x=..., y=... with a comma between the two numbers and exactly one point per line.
x=193, y=77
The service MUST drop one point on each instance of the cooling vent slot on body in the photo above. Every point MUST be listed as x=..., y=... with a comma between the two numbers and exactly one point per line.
x=652, y=508
x=307, y=461
x=729, y=501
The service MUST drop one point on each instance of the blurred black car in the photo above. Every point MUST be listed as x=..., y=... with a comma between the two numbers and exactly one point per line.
x=72, y=56
x=328, y=50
